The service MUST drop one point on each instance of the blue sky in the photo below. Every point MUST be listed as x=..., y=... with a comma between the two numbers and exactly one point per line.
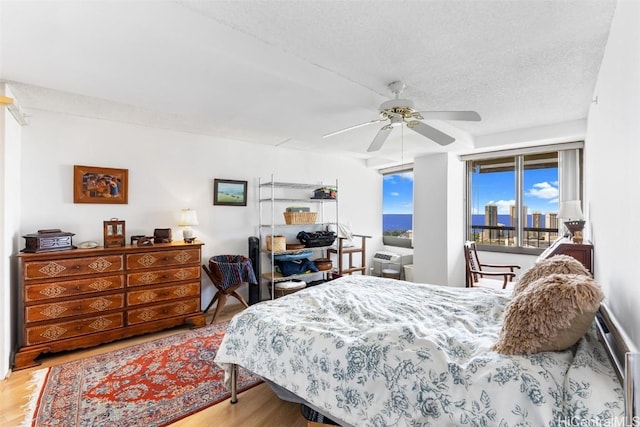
x=397, y=193
x=541, y=191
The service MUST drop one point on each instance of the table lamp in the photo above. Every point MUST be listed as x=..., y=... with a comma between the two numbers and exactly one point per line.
x=571, y=212
x=188, y=219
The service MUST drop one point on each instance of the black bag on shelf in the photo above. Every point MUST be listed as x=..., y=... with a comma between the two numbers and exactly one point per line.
x=317, y=238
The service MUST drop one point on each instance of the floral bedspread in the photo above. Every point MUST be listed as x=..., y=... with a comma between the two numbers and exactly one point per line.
x=369, y=351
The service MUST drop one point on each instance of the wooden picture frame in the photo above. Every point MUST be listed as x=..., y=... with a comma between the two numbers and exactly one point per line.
x=228, y=192
x=92, y=184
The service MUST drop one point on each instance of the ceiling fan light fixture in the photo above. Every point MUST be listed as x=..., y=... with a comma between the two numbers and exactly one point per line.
x=396, y=121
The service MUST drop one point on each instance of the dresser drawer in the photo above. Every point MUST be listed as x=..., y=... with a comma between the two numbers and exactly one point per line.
x=71, y=288
x=163, y=276
x=177, y=257
x=59, y=331
x=146, y=296
x=163, y=311
x=58, y=310
x=72, y=267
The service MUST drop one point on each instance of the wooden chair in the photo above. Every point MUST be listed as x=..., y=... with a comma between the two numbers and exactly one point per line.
x=341, y=250
x=225, y=290
x=478, y=277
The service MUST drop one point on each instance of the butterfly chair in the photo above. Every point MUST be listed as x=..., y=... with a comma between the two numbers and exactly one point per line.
x=477, y=276
x=228, y=273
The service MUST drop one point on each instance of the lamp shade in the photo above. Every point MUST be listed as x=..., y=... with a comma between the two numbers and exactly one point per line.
x=570, y=210
x=188, y=218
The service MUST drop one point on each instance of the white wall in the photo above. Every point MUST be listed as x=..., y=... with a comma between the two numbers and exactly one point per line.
x=612, y=152
x=169, y=171
x=438, y=215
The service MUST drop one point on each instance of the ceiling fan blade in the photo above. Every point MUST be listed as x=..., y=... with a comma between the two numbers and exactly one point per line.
x=430, y=132
x=380, y=138
x=470, y=116
x=352, y=127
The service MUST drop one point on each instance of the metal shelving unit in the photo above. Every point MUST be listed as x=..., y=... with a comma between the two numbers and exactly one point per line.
x=273, y=199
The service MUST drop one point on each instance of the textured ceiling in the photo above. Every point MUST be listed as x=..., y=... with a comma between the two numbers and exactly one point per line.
x=286, y=72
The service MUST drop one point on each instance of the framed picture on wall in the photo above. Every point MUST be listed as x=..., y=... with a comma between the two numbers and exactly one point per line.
x=227, y=192
x=92, y=184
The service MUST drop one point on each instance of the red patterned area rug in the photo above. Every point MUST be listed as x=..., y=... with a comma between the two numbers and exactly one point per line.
x=150, y=384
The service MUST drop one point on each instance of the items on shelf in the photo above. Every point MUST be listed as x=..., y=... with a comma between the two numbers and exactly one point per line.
x=290, y=286
x=325, y=193
x=316, y=239
x=296, y=266
x=309, y=207
x=300, y=217
x=323, y=264
x=276, y=243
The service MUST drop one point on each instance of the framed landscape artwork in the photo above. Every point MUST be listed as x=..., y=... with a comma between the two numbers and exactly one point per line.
x=228, y=192
x=92, y=184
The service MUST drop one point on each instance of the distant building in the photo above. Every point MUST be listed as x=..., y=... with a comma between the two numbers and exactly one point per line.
x=551, y=221
x=491, y=219
x=536, y=222
x=513, y=216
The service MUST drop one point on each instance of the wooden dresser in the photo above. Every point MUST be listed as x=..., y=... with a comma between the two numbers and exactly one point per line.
x=564, y=246
x=85, y=297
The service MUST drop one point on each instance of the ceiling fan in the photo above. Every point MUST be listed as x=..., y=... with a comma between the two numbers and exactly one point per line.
x=398, y=111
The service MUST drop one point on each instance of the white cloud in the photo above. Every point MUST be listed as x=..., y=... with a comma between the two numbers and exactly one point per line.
x=394, y=178
x=503, y=206
x=544, y=190
x=394, y=194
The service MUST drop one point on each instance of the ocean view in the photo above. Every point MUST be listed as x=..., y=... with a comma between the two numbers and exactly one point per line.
x=405, y=221
x=478, y=219
x=397, y=222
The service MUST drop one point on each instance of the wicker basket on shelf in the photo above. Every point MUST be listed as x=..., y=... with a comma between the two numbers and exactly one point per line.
x=276, y=243
x=300, y=217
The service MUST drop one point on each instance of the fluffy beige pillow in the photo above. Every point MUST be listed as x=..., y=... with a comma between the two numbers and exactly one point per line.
x=551, y=314
x=558, y=264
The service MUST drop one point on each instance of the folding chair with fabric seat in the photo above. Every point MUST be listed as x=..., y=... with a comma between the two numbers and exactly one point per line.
x=228, y=273
x=478, y=277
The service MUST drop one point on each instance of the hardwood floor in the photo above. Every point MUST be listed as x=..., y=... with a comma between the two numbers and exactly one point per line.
x=257, y=407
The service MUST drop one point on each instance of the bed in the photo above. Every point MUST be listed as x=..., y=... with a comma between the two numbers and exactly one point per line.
x=369, y=351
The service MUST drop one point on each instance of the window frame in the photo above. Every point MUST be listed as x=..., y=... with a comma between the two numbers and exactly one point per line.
x=518, y=157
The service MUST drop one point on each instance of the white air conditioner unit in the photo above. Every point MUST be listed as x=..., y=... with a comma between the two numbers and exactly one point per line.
x=383, y=260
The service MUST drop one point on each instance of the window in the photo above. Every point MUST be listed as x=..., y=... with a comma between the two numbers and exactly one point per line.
x=513, y=199
x=397, y=208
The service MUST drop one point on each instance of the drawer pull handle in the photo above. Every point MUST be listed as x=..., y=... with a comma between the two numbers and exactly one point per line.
x=165, y=258
x=77, y=308
x=165, y=311
x=77, y=288
x=165, y=276
x=77, y=267
x=78, y=328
